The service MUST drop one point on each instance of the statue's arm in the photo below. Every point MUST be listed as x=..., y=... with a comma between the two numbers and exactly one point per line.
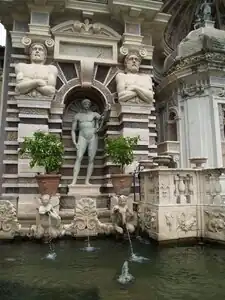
x=49, y=89
x=73, y=130
x=24, y=85
x=146, y=94
x=99, y=121
x=52, y=78
x=124, y=95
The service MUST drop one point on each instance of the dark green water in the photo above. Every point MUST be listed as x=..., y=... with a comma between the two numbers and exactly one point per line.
x=183, y=273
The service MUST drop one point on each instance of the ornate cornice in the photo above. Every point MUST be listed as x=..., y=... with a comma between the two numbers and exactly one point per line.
x=188, y=62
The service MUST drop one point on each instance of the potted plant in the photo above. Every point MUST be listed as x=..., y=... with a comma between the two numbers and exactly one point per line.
x=120, y=151
x=45, y=150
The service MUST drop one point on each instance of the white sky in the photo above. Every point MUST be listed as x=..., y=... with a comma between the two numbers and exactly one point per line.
x=2, y=35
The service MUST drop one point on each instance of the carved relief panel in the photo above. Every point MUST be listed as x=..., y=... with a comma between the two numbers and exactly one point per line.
x=75, y=40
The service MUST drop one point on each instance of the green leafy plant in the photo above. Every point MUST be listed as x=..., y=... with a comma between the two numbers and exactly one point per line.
x=45, y=150
x=121, y=150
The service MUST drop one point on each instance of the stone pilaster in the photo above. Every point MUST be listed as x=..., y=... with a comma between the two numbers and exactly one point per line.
x=134, y=121
x=33, y=116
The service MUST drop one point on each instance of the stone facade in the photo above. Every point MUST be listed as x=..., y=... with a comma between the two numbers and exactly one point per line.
x=86, y=52
x=162, y=78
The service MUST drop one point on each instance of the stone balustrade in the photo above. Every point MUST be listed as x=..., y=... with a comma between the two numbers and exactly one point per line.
x=182, y=203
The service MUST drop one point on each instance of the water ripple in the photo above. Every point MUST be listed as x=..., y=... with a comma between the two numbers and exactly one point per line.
x=185, y=273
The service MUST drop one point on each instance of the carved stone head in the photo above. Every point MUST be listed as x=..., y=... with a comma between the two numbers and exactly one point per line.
x=86, y=104
x=122, y=200
x=45, y=199
x=132, y=62
x=38, y=53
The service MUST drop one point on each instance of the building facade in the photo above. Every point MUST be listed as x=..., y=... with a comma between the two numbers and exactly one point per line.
x=180, y=47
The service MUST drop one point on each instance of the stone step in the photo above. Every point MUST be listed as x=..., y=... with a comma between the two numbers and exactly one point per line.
x=68, y=202
x=99, y=180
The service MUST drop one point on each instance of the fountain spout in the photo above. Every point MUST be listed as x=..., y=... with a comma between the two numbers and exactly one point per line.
x=122, y=216
x=48, y=222
x=125, y=276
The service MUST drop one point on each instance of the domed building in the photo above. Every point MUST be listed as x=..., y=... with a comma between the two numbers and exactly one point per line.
x=189, y=74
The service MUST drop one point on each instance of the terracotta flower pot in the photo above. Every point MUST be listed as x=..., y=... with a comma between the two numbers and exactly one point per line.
x=48, y=183
x=122, y=183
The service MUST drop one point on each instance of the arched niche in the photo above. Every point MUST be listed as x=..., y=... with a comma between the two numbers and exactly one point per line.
x=72, y=105
x=74, y=97
x=97, y=90
x=172, y=130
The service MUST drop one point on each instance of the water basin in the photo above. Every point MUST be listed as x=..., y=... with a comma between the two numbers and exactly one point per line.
x=182, y=273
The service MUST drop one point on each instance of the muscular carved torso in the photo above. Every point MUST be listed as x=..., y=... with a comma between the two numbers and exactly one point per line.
x=136, y=79
x=35, y=71
x=126, y=82
x=36, y=79
x=87, y=124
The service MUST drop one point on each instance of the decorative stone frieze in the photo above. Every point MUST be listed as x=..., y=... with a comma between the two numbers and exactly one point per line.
x=86, y=222
x=197, y=60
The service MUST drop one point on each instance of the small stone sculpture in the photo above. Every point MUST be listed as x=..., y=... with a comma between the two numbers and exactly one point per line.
x=48, y=224
x=86, y=222
x=215, y=221
x=186, y=222
x=9, y=225
x=122, y=216
x=36, y=79
x=206, y=11
x=89, y=123
x=132, y=86
x=47, y=209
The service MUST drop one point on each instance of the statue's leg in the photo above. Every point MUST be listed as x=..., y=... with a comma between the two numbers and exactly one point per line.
x=82, y=146
x=92, y=149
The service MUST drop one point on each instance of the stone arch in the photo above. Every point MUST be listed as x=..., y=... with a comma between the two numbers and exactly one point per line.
x=72, y=95
x=172, y=114
x=101, y=89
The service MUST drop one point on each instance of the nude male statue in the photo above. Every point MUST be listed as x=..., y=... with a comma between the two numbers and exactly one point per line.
x=88, y=123
x=132, y=86
x=36, y=78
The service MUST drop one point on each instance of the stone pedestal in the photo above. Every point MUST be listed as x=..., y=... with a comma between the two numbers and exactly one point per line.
x=80, y=191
